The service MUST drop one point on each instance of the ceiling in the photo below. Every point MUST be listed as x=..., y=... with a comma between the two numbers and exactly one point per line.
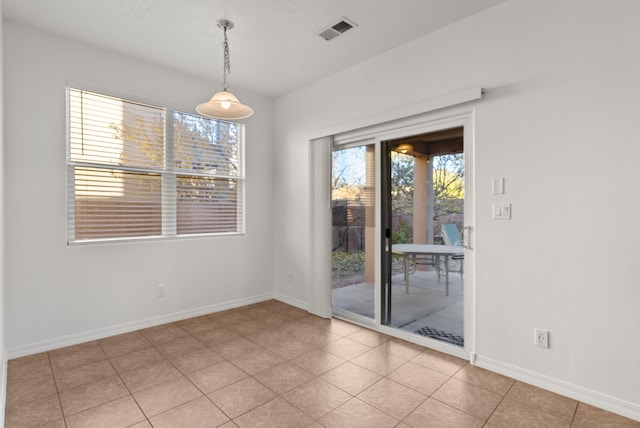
x=274, y=45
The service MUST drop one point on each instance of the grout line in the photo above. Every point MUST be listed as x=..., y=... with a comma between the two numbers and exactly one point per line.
x=55, y=382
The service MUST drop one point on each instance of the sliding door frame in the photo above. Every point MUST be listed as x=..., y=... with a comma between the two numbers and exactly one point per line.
x=445, y=116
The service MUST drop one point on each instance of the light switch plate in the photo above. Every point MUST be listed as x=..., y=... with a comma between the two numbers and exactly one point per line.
x=502, y=211
x=497, y=186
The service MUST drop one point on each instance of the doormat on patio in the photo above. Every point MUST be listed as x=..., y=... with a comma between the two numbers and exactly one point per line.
x=441, y=335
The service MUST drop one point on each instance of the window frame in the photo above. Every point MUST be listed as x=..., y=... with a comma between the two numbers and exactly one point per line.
x=169, y=176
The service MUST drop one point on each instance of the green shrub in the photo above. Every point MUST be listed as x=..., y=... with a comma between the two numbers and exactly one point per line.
x=347, y=264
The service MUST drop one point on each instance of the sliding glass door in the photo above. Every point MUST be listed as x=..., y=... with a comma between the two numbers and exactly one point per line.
x=423, y=184
x=353, y=231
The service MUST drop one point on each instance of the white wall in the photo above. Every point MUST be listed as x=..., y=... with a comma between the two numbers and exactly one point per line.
x=58, y=294
x=3, y=347
x=559, y=123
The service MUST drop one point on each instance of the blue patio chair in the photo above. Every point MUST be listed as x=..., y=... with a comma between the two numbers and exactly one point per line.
x=451, y=236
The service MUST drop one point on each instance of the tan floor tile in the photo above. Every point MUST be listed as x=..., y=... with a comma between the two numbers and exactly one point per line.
x=19, y=393
x=378, y=362
x=293, y=312
x=240, y=397
x=229, y=424
x=289, y=349
x=216, y=335
x=514, y=414
x=434, y=414
x=41, y=411
x=283, y=377
x=21, y=361
x=137, y=359
x=590, y=417
x=440, y=362
x=468, y=398
x=333, y=325
x=75, y=356
x=123, y=344
x=89, y=373
x=166, y=395
x=92, y=394
x=179, y=347
x=57, y=424
x=199, y=413
x=196, y=360
x=197, y=324
x=356, y=414
x=401, y=349
x=27, y=368
x=346, y=348
x=147, y=376
x=275, y=413
x=249, y=327
x=351, y=378
x=235, y=347
x=120, y=413
x=316, y=397
x=310, y=334
x=485, y=379
x=164, y=333
x=256, y=361
x=318, y=362
x=421, y=379
x=369, y=337
x=318, y=337
x=256, y=312
x=545, y=400
x=230, y=318
x=143, y=424
x=392, y=398
x=275, y=319
x=268, y=338
x=217, y=376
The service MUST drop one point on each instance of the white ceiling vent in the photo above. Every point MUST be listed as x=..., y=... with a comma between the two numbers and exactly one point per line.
x=340, y=27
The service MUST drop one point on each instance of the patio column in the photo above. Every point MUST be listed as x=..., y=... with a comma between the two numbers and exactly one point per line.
x=370, y=215
x=420, y=181
x=430, y=202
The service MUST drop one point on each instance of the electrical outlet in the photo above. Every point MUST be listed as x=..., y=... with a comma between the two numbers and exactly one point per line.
x=161, y=290
x=542, y=338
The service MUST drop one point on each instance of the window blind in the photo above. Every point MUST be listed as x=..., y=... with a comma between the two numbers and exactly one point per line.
x=136, y=170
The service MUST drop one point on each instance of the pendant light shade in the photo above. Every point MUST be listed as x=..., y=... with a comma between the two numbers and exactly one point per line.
x=223, y=104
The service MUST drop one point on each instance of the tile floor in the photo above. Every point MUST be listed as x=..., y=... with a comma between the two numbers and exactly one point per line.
x=273, y=365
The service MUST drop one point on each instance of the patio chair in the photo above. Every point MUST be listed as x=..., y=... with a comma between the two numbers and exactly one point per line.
x=451, y=236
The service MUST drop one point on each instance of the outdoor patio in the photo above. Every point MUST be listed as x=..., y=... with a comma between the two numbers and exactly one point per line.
x=425, y=307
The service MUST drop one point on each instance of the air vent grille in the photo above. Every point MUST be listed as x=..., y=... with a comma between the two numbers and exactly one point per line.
x=342, y=26
x=334, y=30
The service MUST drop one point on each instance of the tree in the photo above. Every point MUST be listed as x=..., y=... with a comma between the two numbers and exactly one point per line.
x=401, y=183
x=448, y=184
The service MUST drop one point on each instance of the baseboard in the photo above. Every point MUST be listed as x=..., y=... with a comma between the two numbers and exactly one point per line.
x=74, y=339
x=596, y=399
x=291, y=301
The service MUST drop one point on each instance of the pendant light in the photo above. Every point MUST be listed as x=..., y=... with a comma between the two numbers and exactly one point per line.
x=223, y=104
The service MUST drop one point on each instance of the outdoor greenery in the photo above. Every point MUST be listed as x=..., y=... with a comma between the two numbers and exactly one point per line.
x=346, y=264
x=348, y=185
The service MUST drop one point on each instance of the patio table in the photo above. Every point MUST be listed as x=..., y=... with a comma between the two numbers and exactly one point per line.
x=434, y=252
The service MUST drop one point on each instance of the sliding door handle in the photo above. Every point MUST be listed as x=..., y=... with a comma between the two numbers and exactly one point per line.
x=466, y=237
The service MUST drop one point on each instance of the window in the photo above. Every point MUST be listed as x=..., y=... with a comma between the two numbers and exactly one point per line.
x=136, y=170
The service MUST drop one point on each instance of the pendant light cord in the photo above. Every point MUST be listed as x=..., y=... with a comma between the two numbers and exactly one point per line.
x=227, y=60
